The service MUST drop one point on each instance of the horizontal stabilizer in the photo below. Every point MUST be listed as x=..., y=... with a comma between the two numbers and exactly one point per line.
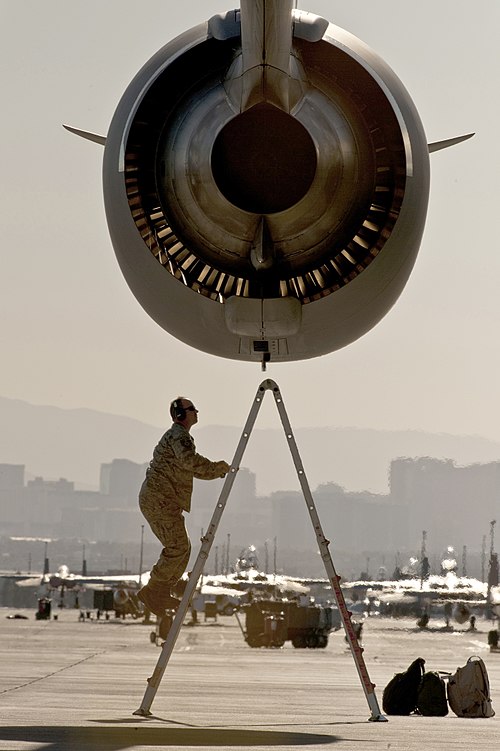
x=438, y=145
x=85, y=134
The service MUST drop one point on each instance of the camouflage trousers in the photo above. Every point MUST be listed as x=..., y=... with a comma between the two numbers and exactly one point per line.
x=167, y=523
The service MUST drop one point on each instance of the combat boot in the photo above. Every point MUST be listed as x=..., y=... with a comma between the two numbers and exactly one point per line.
x=157, y=599
x=151, y=601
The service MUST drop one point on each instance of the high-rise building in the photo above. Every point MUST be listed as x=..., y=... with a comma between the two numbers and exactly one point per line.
x=453, y=504
x=11, y=476
x=122, y=479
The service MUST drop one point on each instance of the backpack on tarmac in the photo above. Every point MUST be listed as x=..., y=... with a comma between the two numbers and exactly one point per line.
x=431, y=696
x=469, y=690
x=400, y=694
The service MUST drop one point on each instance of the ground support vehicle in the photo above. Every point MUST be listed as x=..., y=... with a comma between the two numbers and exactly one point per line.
x=269, y=623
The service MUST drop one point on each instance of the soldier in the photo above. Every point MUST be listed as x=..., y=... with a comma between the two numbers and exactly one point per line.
x=165, y=494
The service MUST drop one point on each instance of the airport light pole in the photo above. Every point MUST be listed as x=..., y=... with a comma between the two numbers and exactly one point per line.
x=46, y=565
x=141, y=555
x=483, y=559
x=423, y=557
x=84, y=562
x=493, y=566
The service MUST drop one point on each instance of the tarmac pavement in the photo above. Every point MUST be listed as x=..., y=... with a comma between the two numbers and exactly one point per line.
x=68, y=684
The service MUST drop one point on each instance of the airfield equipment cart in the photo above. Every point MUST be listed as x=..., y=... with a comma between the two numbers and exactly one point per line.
x=269, y=623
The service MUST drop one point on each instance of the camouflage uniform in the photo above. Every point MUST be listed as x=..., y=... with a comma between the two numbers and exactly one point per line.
x=166, y=493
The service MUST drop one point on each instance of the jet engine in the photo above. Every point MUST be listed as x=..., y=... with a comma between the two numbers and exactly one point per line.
x=266, y=179
x=120, y=597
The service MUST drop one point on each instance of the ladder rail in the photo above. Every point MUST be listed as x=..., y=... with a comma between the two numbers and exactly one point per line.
x=323, y=543
x=206, y=544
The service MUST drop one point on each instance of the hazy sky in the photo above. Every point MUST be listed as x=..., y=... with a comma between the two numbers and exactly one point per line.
x=71, y=332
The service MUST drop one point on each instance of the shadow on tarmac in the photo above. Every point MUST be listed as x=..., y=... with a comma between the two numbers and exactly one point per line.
x=62, y=738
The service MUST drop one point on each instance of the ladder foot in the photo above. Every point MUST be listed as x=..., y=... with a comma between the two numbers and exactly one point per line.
x=378, y=718
x=142, y=712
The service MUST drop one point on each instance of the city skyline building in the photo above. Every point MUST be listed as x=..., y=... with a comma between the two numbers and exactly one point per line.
x=453, y=503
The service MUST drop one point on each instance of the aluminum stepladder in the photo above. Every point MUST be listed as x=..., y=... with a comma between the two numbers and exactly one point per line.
x=206, y=544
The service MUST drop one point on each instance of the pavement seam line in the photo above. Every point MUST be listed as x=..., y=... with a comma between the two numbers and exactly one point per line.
x=60, y=670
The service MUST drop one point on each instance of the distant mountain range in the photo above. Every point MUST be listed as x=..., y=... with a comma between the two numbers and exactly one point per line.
x=73, y=443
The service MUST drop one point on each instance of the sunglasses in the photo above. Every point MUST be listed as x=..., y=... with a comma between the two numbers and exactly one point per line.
x=191, y=409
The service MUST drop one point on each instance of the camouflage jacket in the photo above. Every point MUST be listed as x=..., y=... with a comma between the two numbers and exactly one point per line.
x=173, y=466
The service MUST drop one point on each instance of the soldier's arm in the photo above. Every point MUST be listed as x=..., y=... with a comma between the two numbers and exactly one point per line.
x=201, y=467
x=204, y=469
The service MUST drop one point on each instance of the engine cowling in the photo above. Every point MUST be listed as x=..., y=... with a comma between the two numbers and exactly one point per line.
x=266, y=211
